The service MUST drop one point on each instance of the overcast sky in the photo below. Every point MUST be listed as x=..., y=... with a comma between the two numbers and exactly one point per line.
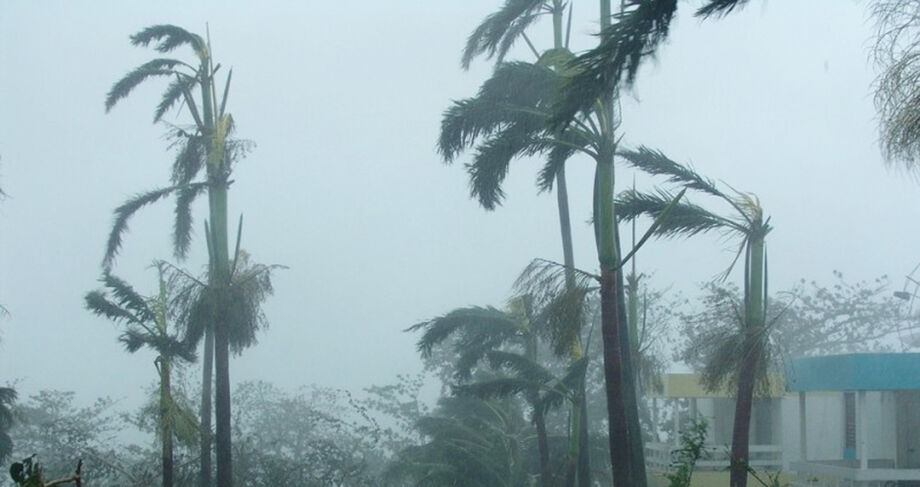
x=344, y=100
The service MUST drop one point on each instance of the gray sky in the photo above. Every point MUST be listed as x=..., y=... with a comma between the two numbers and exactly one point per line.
x=344, y=100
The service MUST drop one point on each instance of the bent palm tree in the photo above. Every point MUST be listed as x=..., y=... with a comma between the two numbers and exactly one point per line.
x=207, y=145
x=508, y=340
x=746, y=351
x=145, y=322
x=493, y=38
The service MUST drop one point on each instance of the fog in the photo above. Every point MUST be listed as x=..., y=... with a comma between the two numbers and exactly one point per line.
x=344, y=187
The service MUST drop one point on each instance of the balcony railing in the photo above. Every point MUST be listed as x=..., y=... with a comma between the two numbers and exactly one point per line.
x=658, y=457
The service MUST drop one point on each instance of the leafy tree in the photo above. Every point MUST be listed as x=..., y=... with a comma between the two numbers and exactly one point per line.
x=28, y=473
x=146, y=326
x=208, y=145
x=739, y=353
x=897, y=55
x=51, y=425
x=314, y=437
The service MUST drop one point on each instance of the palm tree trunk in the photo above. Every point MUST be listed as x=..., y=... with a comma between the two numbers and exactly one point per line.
x=583, y=466
x=755, y=316
x=221, y=279
x=742, y=426
x=165, y=422
x=539, y=420
x=204, y=474
x=630, y=397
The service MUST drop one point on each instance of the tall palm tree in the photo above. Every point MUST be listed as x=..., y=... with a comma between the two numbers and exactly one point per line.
x=508, y=119
x=145, y=322
x=207, y=144
x=746, y=350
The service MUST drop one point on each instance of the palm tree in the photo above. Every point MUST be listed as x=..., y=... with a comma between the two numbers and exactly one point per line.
x=145, y=322
x=207, y=144
x=743, y=354
x=508, y=119
x=509, y=341
x=471, y=443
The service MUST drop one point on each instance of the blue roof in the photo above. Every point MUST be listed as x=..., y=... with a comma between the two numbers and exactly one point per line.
x=854, y=372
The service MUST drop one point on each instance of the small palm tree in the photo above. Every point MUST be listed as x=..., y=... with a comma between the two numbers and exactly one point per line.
x=471, y=443
x=738, y=355
x=508, y=340
x=145, y=322
x=205, y=145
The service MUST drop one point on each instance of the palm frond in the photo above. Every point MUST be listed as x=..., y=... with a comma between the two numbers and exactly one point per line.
x=516, y=92
x=123, y=87
x=478, y=324
x=719, y=8
x=561, y=390
x=490, y=164
x=167, y=346
x=656, y=163
x=169, y=37
x=182, y=224
x=636, y=32
x=559, y=154
x=498, y=31
x=521, y=366
x=495, y=388
x=124, y=213
x=128, y=298
x=98, y=303
x=685, y=219
x=173, y=93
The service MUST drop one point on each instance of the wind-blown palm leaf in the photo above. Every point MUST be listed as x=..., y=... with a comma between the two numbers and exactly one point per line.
x=562, y=390
x=515, y=92
x=190, y=157
x=124, y=213
x=719, y=8
x=128, y=298
x=97, y=302
x=182, y=224
x=493, y=157
x=521, y=366
x=176, y=90
x=498, y=31
x=571, y=142
x=685, y=219
x=477, y=326
x=169, y=38
x=636, y=32
x=495, y=388
x=165, y=345
x=655, y=162
x=123, y=87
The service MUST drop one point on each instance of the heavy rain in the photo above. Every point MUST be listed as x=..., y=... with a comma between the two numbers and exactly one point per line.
x=510, y=243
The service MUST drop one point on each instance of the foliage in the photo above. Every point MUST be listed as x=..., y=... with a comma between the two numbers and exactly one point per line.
x=28, y=473
x=51, y=425
x=897, y=54
x=316, y=437
x=691, y=449
x=470, y=442
x=7, y=402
